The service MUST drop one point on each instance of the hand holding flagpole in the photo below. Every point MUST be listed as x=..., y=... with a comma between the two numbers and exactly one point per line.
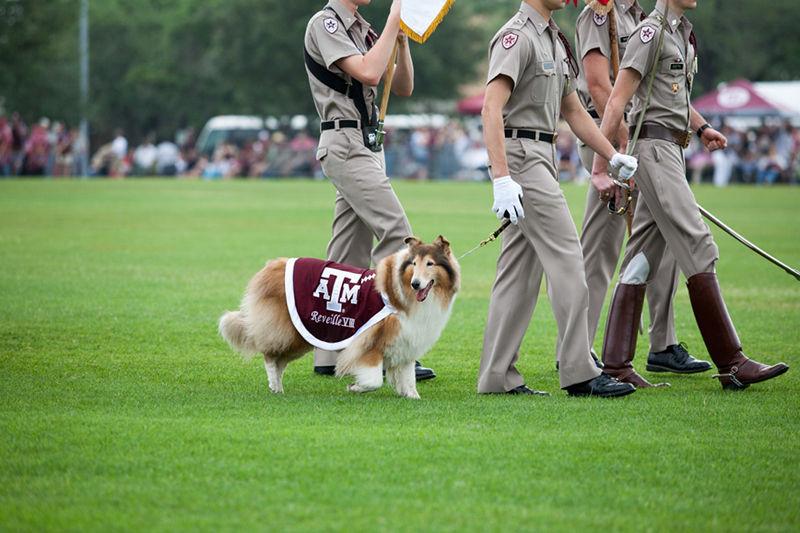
x=418, y=20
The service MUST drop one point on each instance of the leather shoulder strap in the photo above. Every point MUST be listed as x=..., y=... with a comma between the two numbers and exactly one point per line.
x=573, y=63
x=352, y=89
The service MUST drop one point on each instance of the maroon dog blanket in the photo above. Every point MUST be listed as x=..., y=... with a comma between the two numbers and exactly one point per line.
x=330, y=303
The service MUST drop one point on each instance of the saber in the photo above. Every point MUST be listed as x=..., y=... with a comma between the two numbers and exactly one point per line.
x=721, y=225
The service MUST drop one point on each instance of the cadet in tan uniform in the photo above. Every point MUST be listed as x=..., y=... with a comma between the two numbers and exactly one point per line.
x=345, y=61
x=667, y=215
x=530, y=82
x=603, y=233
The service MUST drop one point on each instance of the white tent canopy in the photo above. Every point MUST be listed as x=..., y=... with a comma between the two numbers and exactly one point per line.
x=786, y=94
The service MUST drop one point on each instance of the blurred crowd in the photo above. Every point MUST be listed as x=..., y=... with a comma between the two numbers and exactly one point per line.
x=42, y=149
x=763, y=155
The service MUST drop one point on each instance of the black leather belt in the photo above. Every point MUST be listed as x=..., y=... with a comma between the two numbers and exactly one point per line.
x=655, y=131
x=536, y=135
x=339, y=124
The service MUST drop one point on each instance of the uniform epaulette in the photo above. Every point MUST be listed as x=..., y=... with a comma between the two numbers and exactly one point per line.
x=316, y=15
x=517, y=22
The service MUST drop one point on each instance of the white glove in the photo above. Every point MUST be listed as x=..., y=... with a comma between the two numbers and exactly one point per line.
x=507, y=199
x=625, y=165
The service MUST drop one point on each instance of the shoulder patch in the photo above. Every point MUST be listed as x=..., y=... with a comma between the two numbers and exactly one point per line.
x=646, y=34
x=599, y=19
x=509, y=40
x=330, y=24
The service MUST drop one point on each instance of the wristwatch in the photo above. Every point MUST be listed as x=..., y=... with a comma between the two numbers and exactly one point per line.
x=703, y=128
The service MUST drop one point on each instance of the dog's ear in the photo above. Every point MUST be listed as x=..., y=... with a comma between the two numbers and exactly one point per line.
x=412, y=241
x=442, y=243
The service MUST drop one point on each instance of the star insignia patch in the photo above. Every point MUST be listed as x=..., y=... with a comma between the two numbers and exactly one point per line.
x=331, y=25
x=599, y=19
x=509, y=40
x=646, y=34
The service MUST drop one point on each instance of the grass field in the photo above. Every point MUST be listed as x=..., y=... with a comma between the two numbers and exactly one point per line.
x=121, y=408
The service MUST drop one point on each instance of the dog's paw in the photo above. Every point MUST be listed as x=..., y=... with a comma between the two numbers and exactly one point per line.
x=411, y=395
x=276, y=389
x=356, y=388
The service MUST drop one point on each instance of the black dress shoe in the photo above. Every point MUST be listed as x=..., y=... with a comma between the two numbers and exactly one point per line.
x=603, y=385
x=597, y=362
x=325, y=370
x=422, y=373
x=676, y=359
x=523, y=389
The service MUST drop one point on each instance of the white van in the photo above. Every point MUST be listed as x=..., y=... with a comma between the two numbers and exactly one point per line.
x=234, y=129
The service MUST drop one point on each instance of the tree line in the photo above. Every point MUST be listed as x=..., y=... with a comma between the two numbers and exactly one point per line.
x=160, y=65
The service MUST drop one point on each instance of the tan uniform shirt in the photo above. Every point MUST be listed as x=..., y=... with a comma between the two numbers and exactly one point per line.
x=327, y=40
x=675, y=70
x=591, y=33
x=527, y=50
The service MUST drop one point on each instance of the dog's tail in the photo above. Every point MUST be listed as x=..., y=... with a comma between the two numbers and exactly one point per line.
x=233, y=328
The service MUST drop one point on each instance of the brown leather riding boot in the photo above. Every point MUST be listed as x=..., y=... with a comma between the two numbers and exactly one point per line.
x=622, y=328
x=736, y=371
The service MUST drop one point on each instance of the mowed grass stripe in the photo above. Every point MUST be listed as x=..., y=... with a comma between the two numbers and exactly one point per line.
x=120, y=408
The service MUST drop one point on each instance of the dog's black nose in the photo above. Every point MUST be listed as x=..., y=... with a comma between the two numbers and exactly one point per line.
x=415, y=284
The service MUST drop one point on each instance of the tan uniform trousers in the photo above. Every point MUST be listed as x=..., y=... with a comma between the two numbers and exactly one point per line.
x=667, y=214
x=366, y=207
x=545, y=241
x=602, y=236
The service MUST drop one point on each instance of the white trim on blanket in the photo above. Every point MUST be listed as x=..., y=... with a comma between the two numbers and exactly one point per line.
x=311, y=339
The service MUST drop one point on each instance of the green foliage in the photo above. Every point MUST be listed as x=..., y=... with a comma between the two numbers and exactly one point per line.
x=122, y=409
x=158, y=65
x=39, y=58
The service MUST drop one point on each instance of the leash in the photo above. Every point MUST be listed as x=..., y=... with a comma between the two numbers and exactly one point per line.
x=488, y=239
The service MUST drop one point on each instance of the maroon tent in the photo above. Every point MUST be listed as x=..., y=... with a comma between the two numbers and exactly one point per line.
x=737, y=98
x=471, y=105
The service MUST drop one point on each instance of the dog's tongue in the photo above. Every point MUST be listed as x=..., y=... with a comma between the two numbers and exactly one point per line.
x=423, y=293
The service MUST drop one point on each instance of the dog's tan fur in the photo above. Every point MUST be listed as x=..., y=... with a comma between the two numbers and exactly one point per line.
x=263, y=325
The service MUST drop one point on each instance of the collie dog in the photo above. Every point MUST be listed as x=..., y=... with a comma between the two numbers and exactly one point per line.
x=411, y=293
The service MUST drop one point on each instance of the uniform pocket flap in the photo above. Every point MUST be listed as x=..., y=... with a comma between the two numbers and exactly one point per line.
x=321, y=153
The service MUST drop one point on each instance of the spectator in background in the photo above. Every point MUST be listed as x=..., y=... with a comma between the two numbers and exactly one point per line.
x=104, y=161
x=6, y=147
x=770, y=166
x=566, y=148
x=167, y=159
x=19, y=133
x=144, y=157
x=120, y=144
x=37, y=150
x=420, y=152
x=64, y=159
x=303, y=160
x=258, y=160
x=725, y=160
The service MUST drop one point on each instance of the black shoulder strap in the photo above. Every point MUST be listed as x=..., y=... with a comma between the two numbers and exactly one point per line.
x=573, y=63
x=352, y=89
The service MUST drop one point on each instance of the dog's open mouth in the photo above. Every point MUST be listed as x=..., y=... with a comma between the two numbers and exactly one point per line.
x=423, y=293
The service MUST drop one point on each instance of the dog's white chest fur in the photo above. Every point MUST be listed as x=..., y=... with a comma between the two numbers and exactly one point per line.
x=419, y=331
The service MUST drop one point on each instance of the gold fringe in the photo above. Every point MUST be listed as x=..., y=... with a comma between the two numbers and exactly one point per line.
x=422, y=38
x=599, y=8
